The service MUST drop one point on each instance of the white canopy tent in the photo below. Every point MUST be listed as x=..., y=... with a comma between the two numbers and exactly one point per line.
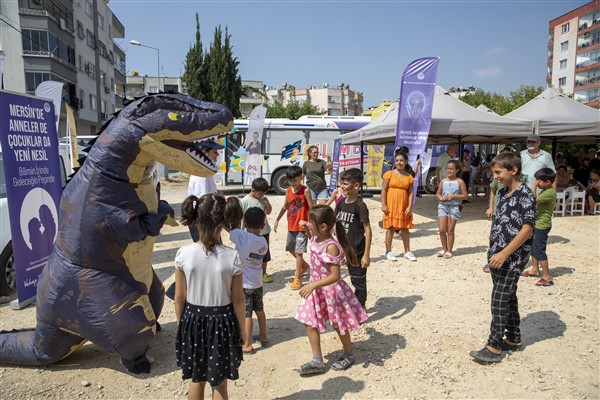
x=452, y=120
x=558, y=118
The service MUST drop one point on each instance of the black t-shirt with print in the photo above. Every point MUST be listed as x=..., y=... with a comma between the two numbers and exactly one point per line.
x=353, y=216
x=512, y=212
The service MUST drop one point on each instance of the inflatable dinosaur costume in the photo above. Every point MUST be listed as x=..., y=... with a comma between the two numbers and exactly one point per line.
x=99, y=284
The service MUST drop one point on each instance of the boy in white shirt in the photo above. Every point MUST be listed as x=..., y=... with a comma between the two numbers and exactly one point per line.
x=256, y=198
x=252, y=247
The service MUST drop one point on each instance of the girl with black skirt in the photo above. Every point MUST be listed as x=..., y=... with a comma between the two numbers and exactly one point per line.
x=209, y=300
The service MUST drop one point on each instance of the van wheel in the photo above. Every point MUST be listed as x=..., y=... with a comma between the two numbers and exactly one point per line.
x=8, y=275
x=431, y=182
x=280, y=182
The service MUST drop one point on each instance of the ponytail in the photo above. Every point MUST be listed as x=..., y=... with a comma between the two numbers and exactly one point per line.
x=233, y=213
x=189, y=211
x=342, y=237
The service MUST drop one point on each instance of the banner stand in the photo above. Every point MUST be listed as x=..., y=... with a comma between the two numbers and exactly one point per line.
x=364, y=193
x=16, y=305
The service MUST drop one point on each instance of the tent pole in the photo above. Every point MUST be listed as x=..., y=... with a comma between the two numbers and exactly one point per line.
x=364, y=193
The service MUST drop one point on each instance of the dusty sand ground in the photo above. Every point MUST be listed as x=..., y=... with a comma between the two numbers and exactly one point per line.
x=424, y=317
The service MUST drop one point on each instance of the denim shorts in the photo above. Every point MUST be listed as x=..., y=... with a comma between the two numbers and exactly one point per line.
x=449, y=210
x=296, y=242
x=540, y=239
x=322, y=195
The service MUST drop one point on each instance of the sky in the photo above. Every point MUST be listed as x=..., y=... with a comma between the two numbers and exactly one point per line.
x=494, y=45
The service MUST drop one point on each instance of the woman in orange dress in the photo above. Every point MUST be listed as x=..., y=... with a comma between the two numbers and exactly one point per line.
x=396, y=204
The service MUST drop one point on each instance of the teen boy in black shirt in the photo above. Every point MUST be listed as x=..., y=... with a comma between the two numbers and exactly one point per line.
x=353, y=213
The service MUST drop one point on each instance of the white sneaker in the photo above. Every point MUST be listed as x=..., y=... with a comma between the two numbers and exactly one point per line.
x=410, y=256
x=390, y=256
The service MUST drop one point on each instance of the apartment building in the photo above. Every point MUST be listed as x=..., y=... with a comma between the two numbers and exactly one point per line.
x=69, y=42
x=140, y=85
x=574, y=53
x=335, y=101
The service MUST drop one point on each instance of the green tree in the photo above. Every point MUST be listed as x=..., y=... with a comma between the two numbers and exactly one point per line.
x=523, y=94
x=213, y=75
x=294, y=108
x=499, y=103
x=192, y=75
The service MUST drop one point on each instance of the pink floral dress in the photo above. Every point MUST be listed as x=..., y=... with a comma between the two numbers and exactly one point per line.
x=335, y=303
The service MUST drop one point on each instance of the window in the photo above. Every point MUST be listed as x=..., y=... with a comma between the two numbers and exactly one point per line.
x=562, y=64
x=562, y=81
x=89, y=9
x=564, y=46
x=93, y=102
x=565, y=28
x=81, y=97
x=33, y=79
x=333, y=99
x=91, y=39
x=152, y=89
x=46, y=43
x=103, y=106
x=80, y=32
x=79, y=63
x=100, y=22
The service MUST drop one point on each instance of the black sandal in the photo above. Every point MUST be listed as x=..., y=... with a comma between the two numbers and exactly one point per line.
x=343, y=363
x=310, y=369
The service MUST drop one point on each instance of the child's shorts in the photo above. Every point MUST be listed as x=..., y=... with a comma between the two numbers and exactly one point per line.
x=296, y=242
x=540, y=239
x=451, y=211
x=267, y=256
x=322, y=195
x=254, y=300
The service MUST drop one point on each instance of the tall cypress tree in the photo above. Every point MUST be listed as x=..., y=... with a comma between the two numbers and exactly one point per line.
x=193, y=76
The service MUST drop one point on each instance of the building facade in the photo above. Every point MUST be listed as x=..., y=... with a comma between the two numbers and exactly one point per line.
x=140, y=85
x=335, y=101
x=574, y=53
x=69, y=42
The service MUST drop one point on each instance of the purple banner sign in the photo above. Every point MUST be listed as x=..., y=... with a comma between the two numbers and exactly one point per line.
x=417, y=92
x=335, y=160
x=33, y=183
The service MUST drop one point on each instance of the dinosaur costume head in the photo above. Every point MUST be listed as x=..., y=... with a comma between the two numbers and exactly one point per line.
x=166, y=128
x=99, y=284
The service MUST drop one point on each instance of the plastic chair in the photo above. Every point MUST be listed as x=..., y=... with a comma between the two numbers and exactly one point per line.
x=577, y=204
x=560, y=207
x=597, y=209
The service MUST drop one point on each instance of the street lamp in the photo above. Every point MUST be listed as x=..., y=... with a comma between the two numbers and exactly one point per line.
x=136, y=43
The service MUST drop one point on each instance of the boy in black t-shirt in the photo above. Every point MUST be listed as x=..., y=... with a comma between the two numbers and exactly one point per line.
x=353, y=213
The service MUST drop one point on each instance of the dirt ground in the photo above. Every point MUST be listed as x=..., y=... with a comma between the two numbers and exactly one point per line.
x=424, y=318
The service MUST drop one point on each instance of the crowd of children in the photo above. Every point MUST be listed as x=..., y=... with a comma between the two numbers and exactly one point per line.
x=218, y=289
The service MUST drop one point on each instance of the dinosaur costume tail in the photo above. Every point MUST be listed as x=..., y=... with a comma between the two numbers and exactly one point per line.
x=29, y=348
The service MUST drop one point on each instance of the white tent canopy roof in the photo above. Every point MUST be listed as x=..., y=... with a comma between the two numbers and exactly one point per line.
x=451, y=119
x=560, y=118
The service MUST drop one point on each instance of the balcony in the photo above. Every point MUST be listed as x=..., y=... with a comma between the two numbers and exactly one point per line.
x=589, y=63
x=585, y=82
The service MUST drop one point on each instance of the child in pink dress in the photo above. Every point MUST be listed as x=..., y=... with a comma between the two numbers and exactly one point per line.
x=327, y=297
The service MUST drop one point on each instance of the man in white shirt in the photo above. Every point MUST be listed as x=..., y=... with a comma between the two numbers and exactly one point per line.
x=440, y=169
x=533, y=159
x=199, y=186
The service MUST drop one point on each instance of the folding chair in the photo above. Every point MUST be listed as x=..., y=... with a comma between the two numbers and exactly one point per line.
x=577, y=204
x=560, y=207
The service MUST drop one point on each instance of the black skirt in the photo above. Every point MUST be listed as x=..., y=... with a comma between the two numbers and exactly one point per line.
x=208, y=346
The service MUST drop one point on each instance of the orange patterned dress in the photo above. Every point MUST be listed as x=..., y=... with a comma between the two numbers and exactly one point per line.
x=397, y=201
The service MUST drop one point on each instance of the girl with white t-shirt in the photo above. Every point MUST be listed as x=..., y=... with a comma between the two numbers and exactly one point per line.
x=209, y=301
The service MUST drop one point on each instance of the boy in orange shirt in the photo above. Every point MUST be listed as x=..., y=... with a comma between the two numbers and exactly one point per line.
x=297, y=203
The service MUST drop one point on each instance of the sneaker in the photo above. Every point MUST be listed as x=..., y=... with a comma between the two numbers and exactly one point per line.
x=266, y=278
x=296, y=284
x=410, y=256
x=485, y=355
x=390, y=256
x=447, y=255
x=440, y=253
